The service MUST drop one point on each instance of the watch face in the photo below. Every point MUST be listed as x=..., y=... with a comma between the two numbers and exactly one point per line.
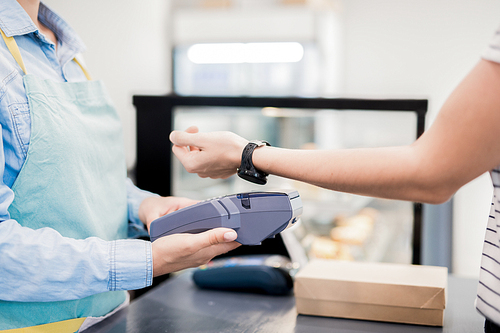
x=252, y=177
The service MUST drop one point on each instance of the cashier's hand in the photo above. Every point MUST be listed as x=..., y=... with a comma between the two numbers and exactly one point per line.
x=214, y=154
x=154, y=207
x=179, y=251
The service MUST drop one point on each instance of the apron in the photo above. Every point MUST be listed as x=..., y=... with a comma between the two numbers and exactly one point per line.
x=73, y=180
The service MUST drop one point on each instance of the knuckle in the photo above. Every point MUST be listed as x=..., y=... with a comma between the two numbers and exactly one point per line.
x=213, y=238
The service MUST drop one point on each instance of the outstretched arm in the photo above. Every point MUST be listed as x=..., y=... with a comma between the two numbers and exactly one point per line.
x=461, y=145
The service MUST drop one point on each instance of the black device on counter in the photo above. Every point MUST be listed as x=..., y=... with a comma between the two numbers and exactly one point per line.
x=265, y=274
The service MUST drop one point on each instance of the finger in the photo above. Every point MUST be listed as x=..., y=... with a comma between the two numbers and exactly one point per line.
x=192, y=129
x=180, y=151
x=217, y=236
x=189, y=159
x=185, y=202
x=218, y=249
x=180, y=138
x=179, y=203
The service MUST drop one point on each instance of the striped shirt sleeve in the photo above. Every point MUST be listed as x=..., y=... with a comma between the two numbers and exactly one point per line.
x=492, y=52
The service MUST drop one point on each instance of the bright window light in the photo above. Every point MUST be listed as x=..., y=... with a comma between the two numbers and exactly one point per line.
x=238, y=53
x=289, y=113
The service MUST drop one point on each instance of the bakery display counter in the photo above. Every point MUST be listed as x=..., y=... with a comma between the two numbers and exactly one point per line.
x=357, y=228
x=333, y=225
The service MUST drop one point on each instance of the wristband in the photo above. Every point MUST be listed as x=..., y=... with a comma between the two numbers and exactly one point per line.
x=247, y=170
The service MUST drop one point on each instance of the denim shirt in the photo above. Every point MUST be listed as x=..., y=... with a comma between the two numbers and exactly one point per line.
x=108, y=265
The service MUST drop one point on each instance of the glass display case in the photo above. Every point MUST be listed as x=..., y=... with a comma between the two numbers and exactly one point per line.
x=333, y=224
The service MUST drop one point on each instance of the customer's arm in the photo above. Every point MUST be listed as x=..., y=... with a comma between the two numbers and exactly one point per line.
x=462, y=144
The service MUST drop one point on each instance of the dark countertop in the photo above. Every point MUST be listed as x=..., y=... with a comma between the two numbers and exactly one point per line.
x=177, y=305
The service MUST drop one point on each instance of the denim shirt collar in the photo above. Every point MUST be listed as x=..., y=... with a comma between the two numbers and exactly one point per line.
x=14, y=21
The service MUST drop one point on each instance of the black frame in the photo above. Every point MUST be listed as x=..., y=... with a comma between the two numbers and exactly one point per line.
x=154, y=124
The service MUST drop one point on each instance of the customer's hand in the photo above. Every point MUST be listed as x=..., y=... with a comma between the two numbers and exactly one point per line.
x=214, y=155
x=179, y=251
x=154, y=207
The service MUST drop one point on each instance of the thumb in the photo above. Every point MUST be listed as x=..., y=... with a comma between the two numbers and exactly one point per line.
x=217, y=236
x=192, y=129
x=180, y=138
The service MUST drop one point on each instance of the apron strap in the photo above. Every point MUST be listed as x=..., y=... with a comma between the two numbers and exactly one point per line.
x=65, y=326
x=14, y=50
x=87, y=74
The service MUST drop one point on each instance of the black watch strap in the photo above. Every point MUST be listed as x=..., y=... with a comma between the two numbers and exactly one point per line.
x=247, y=170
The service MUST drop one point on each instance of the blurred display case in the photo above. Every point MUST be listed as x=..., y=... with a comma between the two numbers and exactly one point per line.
x=257, y=48
x=252, y=69
x=334, y=224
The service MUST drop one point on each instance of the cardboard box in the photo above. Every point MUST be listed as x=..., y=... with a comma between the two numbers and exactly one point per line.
x=399, y=293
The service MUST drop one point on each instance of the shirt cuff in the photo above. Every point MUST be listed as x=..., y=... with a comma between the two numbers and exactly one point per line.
x=131, y=264
x=135, y=196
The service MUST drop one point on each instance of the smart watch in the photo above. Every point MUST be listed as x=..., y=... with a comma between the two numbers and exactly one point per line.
x=247, y=170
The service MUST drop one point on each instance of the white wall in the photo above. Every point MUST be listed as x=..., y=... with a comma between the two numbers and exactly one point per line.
x=414, y=47
x=424, y=48
x=128, y=47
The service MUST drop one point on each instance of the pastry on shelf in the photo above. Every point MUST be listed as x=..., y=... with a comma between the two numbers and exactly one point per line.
x=325, y=248
x=355, y=229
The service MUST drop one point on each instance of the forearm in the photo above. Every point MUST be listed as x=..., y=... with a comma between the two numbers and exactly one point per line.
x=389, y=172
x=461, y=145
x=41, y=265
x=394, y=172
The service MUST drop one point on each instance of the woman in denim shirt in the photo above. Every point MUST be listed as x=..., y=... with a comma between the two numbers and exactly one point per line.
x=66, y=204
